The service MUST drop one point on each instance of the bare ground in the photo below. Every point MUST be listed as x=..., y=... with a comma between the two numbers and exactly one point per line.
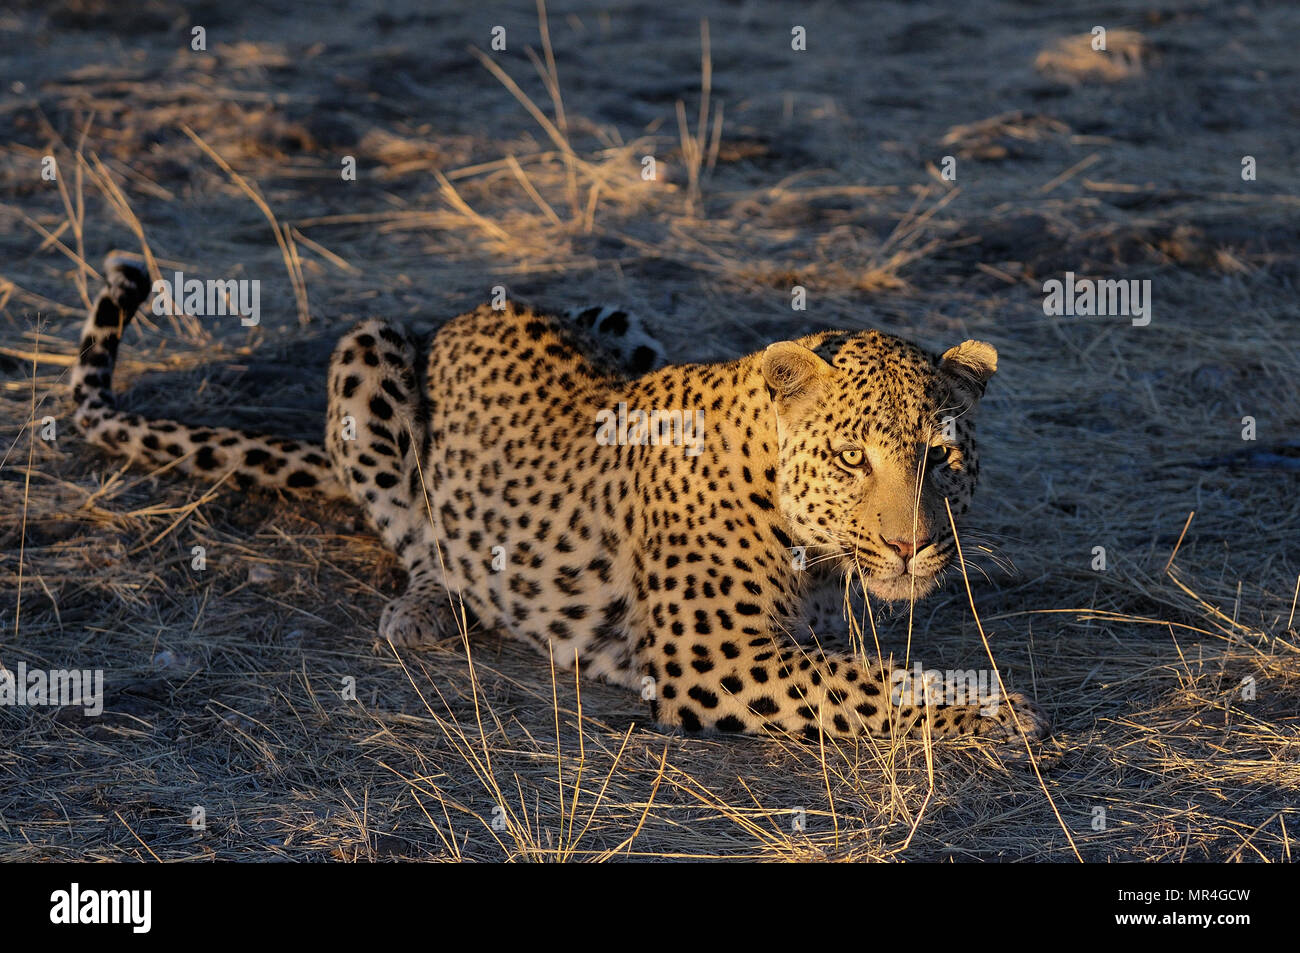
x=1172, y=682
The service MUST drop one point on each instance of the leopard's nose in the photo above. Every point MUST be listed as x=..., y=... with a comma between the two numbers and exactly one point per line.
x=908, y=547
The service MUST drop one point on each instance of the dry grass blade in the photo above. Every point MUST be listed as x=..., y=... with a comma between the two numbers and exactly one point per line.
x=1002, y=688
x=283, y=234
x=556, y=136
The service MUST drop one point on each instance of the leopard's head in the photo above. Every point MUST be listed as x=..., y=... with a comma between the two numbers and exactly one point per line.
x=875, y=435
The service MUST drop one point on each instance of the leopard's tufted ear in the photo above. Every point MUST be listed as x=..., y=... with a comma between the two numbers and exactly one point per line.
x=791, y=370
x=968, y=367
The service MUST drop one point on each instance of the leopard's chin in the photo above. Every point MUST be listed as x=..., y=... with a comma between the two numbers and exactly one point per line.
x=904, y=587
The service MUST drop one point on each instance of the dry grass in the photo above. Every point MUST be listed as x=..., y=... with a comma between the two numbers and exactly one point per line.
x=1110, y=57
x=224, y=687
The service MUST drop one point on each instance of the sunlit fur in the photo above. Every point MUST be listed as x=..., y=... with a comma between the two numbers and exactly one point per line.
x=673, y=569
x=890, y=399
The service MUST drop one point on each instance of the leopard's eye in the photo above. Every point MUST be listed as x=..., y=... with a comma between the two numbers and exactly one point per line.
x=855, y=458
x=938, y=455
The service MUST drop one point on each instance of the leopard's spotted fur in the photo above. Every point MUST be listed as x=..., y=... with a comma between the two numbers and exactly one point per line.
x=485, y=462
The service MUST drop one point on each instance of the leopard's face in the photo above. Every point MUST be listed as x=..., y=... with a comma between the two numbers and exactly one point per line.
x=877, y=443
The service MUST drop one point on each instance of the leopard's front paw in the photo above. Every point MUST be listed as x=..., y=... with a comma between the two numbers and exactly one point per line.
x=413, y=620
x=1013, y=716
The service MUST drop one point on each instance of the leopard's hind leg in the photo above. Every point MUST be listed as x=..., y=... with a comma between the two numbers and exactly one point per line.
x=624, y=335
x=376, y=434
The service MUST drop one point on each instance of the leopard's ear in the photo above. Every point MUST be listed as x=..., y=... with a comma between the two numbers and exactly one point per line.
x=968, y=367
x=791, y=370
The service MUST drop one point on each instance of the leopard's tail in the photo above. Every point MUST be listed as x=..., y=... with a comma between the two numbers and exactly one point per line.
x=250, y=459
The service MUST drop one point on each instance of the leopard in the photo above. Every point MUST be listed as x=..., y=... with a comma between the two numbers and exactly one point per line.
x=669, y=528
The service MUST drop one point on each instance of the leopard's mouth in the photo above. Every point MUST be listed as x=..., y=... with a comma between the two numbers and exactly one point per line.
x=894, y=579
x=931, y=560
x=903, y=587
